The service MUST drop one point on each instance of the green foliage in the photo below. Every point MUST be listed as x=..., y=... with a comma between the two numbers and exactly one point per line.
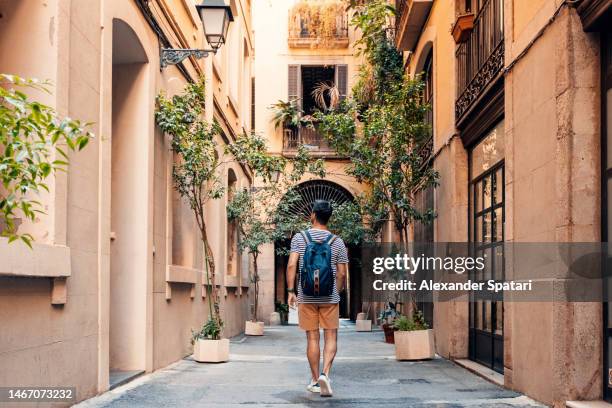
x=282, y=307
x=211, y=330
x=195, y=172
x=416, y=322
x=34, y=143
x=195, y=168
x=286, y=114
x=346, y=222
x=384, y=148
x=262, y=214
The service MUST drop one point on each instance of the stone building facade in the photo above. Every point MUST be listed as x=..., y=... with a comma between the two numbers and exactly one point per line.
x=519, y=113
x=291, y=60
x=114, y=283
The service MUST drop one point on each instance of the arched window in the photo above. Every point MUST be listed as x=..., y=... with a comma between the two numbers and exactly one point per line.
x=233, y=255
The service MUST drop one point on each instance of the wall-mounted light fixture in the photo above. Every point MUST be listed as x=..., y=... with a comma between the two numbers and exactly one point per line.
x=216, y=17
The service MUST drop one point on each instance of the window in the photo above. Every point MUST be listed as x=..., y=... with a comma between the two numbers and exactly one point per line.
x=305, y=78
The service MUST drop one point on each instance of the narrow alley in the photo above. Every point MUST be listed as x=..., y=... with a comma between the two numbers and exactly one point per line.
x=271, y=371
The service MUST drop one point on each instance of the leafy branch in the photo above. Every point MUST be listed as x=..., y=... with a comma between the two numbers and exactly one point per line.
x=34, y=144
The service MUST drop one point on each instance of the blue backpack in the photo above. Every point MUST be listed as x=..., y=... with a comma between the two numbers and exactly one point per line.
x=317, y=276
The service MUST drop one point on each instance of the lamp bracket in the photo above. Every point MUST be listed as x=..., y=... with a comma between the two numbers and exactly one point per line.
x=172, y=56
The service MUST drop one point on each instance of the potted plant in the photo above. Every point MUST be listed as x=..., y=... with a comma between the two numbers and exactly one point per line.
x=286, y=114
x=463, y=27
x=195, y=174
x=283, y=310
x=387, y=319
x=208, y=347
x=362, y=323
x=414, y=340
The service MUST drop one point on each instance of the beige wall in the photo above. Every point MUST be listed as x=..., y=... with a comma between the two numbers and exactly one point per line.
x=552, y=351
x=123, y=308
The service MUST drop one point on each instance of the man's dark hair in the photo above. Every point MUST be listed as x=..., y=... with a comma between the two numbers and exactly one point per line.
x=322, y=210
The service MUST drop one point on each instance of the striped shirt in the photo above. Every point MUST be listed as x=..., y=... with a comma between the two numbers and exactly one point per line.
x=339, y=256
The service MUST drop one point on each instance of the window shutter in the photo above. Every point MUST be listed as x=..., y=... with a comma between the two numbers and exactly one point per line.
x=342, y=80
x=294, y=83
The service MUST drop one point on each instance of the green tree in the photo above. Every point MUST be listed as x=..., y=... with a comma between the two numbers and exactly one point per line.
x=34, y=143
x=195, y=169
x=384, y=148
x=262, y=214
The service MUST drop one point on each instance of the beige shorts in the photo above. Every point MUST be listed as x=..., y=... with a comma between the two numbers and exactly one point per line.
x=313, y=316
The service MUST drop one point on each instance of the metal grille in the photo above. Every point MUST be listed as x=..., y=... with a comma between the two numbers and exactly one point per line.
x=310, y=191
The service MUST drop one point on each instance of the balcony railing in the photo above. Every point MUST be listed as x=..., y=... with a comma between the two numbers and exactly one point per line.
x=308, y=137
x=481, y=58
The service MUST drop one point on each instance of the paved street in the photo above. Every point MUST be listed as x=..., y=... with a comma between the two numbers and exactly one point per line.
x=271, y=371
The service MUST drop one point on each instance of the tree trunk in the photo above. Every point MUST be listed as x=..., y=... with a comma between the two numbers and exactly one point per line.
x=255, y=288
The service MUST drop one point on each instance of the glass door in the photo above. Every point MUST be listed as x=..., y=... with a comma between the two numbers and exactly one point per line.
x=487, y=218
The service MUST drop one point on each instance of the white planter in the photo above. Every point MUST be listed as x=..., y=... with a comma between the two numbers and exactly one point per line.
x=293, y=316
x=361, y=316
x=275, y=319
x=254, y=328
x=414, y=345
x=363, y=325
x=211, y=351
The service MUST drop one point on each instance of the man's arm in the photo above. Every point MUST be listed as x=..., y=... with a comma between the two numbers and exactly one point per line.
x=341, y=270
x=294, y=257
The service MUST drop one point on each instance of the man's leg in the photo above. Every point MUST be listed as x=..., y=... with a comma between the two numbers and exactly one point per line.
x=313, y=352
x=329, y=350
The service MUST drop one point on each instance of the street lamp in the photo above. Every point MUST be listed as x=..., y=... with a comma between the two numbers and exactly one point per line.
x=215, y=16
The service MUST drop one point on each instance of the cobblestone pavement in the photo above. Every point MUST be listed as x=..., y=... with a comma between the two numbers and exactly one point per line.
x=271, y=371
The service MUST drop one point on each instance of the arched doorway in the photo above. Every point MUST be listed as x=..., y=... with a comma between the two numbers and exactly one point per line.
x=129, y=203
x=309, y=192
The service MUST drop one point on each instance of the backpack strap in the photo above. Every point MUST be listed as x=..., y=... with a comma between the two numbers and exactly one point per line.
x=330, y=239
x=306, y=236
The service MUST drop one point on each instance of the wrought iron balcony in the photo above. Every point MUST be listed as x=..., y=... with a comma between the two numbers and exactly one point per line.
x=308, y=137
x=480, y=58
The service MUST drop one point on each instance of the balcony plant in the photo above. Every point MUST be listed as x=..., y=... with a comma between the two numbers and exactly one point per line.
x=287, y=114
x=259, y=219
x=414, y=340
x=320, y=22
x=34, y=144
x=195, y=175
x=463, y=27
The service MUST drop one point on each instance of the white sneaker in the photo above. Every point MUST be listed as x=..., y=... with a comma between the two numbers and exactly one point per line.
x=314, y=387
x=325, y=385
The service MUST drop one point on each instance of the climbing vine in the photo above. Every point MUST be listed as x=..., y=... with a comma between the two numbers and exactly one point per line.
x=382, y=127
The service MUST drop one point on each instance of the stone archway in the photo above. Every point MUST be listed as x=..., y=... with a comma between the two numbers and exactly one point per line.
x=309, y=192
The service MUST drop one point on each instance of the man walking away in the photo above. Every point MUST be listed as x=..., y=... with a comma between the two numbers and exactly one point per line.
x=323, y=261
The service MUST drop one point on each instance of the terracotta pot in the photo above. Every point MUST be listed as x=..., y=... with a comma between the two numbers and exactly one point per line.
x=363, y=325
x=463, y=27
x=389, y=333
x=254, y=328
x=414, y=345
x=211, y=351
